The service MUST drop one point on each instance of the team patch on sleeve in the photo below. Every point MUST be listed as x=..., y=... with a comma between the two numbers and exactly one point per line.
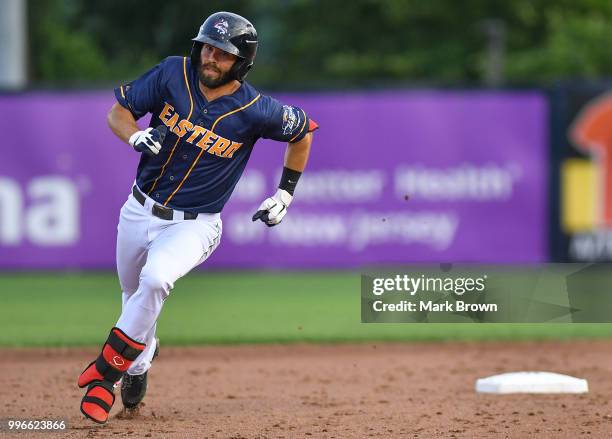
x=292, y=120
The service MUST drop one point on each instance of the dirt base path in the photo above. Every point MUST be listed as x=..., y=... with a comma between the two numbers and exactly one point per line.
x=330, y=391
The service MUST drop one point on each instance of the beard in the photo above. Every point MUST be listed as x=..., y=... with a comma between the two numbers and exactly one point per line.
x=210, y=81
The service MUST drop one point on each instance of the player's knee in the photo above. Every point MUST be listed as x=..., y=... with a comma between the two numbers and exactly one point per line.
x=128, y=290
x=155, y=281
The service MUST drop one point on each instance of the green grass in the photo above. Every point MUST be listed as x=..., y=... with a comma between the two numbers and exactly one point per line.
x=42, y=309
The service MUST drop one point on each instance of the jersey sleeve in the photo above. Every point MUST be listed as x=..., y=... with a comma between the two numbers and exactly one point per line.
x=142, y=95
x=285, y=123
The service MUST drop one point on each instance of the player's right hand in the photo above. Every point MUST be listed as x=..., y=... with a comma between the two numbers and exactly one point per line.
x=148, y=141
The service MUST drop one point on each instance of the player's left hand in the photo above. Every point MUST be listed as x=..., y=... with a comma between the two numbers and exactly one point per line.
x=273, y=209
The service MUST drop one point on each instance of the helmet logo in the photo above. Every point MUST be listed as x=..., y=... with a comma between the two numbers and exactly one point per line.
x=221, y=25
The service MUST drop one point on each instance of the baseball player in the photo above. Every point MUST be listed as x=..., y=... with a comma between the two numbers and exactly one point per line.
x=205, y=121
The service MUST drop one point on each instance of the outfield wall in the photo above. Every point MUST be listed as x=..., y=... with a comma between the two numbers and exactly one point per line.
x=394, y=177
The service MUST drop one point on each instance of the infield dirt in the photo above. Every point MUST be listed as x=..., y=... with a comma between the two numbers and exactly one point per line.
x=329, y=391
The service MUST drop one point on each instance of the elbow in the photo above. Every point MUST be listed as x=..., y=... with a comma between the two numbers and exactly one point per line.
x=110, y=116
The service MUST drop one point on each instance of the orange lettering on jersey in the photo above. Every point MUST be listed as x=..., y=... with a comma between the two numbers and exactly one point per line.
x=165, y=113
x=172, y=121
x=182, y=127
x=229, y=152
x=197, y=130
x=220, y=145
x=207, y=139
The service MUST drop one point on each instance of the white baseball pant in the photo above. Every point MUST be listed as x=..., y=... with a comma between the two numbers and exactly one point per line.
x=152, y=253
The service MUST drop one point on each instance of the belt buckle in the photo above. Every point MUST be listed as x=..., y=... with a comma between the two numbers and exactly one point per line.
x=163, y=212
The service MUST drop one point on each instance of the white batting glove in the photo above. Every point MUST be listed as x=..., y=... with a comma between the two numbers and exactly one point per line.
x=273, y=209
x=148, y=141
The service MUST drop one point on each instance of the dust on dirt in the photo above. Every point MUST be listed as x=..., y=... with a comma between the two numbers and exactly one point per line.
x=329, y=391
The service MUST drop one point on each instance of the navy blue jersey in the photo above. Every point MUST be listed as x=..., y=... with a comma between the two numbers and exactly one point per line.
x=208, y=143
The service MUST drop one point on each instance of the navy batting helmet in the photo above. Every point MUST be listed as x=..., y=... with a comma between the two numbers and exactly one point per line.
x=231, y=33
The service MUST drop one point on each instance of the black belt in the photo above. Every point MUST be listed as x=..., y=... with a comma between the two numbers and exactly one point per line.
x=160, y=211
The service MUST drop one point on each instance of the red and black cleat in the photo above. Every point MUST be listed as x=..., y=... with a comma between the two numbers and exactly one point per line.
x=118, y=353
x=134, y=387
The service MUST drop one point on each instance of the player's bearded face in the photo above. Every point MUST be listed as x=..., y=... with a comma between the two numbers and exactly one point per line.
x=215, y=66
x=211, y=75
